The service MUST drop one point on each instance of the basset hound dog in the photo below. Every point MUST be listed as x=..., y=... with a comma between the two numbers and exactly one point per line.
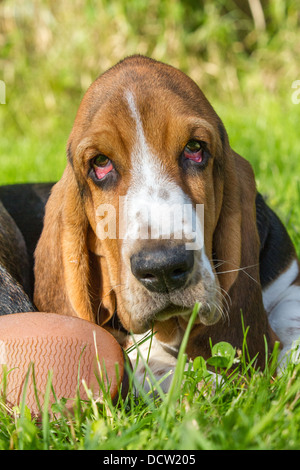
x=155, y=212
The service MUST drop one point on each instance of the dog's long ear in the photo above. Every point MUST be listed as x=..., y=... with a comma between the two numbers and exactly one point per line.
x=236, y=250
x=227, y=239
x=62, y=271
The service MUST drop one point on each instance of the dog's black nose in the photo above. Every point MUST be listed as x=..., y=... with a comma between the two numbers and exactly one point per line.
x=163, y=269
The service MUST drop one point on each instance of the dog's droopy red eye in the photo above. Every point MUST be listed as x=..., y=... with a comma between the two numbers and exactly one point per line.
x=102, y=166
x=193, y=151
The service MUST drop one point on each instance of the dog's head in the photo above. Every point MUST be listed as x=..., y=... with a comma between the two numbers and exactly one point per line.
x=154, y=211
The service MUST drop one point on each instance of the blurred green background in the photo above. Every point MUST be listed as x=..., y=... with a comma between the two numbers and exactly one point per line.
x=243, y=54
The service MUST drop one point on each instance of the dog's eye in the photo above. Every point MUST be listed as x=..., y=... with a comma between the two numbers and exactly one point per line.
x=194, y=151
x=102, y=166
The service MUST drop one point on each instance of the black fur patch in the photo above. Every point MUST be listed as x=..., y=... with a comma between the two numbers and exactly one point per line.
x=276, y=248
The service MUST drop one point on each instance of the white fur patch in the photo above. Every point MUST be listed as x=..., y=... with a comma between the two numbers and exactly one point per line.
x=161, y=363
x=282, y=303
x=273, y=293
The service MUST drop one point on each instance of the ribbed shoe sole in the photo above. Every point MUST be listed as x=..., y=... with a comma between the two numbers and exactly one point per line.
x=72, y=348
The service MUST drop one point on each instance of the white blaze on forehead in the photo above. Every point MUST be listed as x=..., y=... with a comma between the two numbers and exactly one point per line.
x=146, y=169
x=151, y=189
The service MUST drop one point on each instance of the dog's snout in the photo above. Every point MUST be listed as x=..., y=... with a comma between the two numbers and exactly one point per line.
x=163, y=269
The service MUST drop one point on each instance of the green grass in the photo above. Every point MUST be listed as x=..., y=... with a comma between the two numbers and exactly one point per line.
x=245, y=409
x=49, y=54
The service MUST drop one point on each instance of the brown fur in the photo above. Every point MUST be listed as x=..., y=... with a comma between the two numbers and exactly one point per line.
x=76, y=274
x=244, y=287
